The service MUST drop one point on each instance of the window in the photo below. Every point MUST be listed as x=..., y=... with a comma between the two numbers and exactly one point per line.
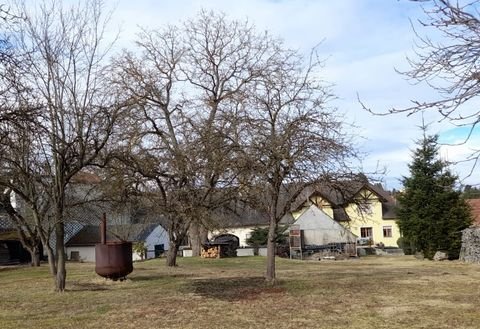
x=387, y=231
x=366, y=232
x=247, y=236
x=75, y=256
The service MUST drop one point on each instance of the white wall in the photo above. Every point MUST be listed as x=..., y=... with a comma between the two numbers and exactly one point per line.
x=241, y=232
x=319, y=228
x=157, y=236
x=87, y=253
x=249, y=252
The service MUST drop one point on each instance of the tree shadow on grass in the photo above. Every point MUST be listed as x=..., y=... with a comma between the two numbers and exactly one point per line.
x=233, y=289
x=87, y=286
x=162, y=276
x=5, y=268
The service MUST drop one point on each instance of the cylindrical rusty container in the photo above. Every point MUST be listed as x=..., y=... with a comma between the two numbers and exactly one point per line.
x=113, y=260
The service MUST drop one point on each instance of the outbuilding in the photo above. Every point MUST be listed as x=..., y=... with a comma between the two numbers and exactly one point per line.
x=315, y=232
x=81, y=247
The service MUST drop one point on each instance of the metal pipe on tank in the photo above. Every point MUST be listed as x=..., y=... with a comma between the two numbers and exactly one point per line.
x=103, y=229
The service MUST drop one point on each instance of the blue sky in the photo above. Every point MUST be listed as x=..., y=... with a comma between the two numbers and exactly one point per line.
x=363, y=41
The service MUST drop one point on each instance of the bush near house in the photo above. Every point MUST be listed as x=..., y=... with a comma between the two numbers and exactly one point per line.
x=259, y=236
x=140, y=248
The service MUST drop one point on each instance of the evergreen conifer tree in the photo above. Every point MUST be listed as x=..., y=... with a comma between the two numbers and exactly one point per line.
x=432, y=213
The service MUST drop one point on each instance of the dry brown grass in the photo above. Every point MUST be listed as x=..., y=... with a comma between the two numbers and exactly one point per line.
x=396, y=292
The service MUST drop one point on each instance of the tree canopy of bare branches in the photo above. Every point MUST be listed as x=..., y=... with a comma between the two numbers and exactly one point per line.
x=59, y=75
x=222, y=113
x=199, y=116
x=296, y=139
x=447, y=59
x=187, y=85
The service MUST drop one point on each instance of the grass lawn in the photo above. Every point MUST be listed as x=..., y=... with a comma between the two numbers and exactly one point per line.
x=372, y=292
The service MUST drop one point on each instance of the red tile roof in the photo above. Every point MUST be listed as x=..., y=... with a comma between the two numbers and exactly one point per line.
x=475, y=206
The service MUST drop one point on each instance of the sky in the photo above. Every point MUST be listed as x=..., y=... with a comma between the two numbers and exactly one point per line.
x=363, y=42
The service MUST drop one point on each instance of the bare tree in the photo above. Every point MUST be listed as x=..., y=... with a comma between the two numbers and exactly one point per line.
x=63, y=73
x=224, y=58
x=448, y=61
x=188, y=85
x=27, y=232
x=155, y=148
x=293, y=139
x=21, y=178
x=20, y=166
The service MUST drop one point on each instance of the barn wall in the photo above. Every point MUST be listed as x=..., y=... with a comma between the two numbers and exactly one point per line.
x=87, y=253
x=158, y=236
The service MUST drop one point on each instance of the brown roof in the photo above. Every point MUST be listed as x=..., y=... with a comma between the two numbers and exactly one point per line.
x=475, y=209
x=343, y=192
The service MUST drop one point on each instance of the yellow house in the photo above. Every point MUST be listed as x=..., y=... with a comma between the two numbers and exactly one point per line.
x=366, y=210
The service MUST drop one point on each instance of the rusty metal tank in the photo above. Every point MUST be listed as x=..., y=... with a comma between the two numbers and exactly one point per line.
x=113, y=259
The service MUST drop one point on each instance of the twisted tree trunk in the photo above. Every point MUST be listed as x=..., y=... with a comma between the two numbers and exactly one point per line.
x=172, y=254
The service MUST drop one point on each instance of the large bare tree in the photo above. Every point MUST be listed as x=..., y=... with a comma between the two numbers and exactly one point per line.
x=293, y=138
x=63, y=73
x=188, y=84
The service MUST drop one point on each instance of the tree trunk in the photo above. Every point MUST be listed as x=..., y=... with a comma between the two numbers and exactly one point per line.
x=194, y=235
x=203, y=233
x=35, y=256
x=61, y=276
x=51, y=259
x=172, y=254
x=50, y=255
x=270, y=276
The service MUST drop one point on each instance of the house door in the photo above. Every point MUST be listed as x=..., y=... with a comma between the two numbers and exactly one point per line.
x=159, y=250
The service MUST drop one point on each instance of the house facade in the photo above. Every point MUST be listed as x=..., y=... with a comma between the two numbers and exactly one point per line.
x=364, y=209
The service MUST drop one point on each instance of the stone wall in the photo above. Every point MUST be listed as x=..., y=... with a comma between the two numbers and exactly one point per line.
x=470, y=251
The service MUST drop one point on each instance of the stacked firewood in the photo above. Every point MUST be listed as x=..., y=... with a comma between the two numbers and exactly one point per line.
x=470, y=251
x=210, y=252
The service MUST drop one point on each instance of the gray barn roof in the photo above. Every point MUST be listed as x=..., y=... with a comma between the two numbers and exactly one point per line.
x=90, y=234
x=239, y=215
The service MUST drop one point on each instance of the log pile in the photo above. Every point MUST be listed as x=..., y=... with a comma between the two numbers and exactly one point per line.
x=470, y=251
x=210, y=252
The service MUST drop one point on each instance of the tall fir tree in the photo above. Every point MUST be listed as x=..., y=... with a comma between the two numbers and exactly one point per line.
x=432, y=212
